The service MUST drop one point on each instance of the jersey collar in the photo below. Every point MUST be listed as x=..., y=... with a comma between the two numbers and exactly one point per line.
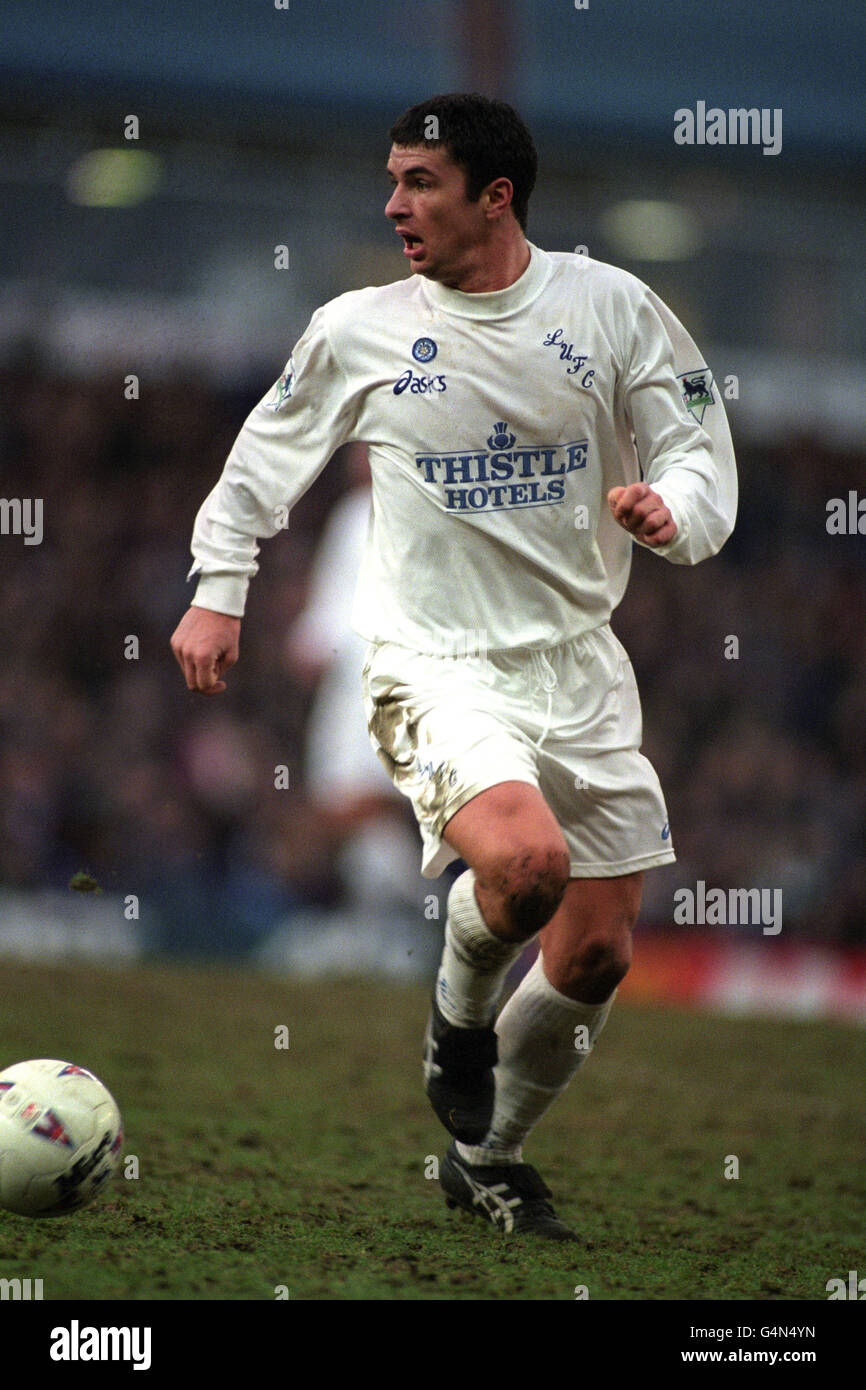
x=494, y=304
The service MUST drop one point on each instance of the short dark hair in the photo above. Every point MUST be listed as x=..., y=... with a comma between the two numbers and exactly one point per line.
x=485, y=137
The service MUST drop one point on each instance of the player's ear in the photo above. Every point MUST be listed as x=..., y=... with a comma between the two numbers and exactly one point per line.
x=498, y=197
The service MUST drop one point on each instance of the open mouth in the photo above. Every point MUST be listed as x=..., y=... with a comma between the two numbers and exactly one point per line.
x=412, y=245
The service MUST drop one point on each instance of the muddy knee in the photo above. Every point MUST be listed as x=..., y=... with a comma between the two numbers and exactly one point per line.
x=524, y=889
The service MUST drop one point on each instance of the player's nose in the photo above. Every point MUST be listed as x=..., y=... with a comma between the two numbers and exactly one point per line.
x=395, y=208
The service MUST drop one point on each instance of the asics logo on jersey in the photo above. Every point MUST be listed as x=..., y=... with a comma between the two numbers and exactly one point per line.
x=418, y=385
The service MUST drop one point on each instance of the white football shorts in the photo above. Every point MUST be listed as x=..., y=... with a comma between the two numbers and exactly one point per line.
x=567, y=720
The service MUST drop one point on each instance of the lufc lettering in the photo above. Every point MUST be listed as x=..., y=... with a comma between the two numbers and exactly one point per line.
x=567, y=354
x=503, y=479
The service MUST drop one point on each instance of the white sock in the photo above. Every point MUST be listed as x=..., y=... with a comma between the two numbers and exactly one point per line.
x=544, y=1038
x=474, y=961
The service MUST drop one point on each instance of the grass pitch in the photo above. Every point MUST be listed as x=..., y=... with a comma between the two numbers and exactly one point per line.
x=303, y=1171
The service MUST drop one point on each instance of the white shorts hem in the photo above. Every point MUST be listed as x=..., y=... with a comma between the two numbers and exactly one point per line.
x=624, y=866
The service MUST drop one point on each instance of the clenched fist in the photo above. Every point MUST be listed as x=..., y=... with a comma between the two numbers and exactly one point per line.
x=642, y=512
x=206, y=644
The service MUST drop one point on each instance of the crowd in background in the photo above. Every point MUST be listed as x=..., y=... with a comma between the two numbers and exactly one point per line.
x=110, y=768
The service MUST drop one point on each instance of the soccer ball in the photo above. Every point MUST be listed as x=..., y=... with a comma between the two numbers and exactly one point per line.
x=60, y=1137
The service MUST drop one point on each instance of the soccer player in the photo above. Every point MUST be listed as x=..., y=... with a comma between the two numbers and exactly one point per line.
x=530, y=416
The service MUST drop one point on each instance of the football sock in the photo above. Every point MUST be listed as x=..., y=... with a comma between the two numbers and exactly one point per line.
x=543, y=1039
x=474, y=961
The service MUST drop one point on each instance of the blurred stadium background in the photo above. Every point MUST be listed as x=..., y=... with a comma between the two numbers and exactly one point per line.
x=261, y=126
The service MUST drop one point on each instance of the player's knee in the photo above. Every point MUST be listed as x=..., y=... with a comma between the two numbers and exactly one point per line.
x=529, y=886
x=597, y=966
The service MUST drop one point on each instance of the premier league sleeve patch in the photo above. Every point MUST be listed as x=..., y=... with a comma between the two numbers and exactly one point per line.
x=697, y=390
x=282, y=391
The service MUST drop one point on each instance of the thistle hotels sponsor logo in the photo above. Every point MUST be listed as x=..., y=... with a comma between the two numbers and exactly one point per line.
x=502, y=477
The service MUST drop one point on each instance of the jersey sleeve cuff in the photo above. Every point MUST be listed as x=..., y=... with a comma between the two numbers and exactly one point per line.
x=222, y=593
x=678, y=544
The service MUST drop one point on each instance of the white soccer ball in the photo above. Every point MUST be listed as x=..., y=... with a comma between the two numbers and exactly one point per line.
x=60, y=1137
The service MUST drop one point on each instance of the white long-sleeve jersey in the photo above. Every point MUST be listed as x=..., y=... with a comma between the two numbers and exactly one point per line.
x=496, y=425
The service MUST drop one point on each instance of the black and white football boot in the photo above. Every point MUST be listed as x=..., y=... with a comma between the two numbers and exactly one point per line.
x=512, y=1197
x=458, y=1076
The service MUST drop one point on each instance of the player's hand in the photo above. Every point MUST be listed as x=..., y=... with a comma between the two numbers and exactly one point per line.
x=642, y=512
x=206, y=644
